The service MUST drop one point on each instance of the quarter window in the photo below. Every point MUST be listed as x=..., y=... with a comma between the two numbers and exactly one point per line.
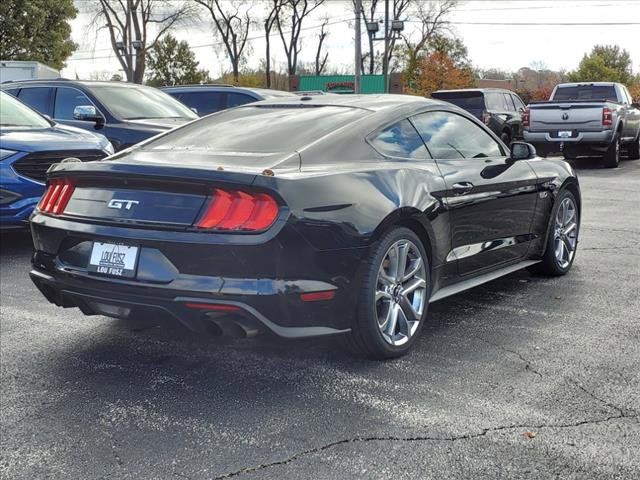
x=400, y=140
x=67, y=99
x=204, y=102
x=449, y=135
x=235, y=99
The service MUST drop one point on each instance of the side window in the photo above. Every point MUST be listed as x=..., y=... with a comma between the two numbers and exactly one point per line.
x=494, y=101
x=625, y=91
x=67, y=99
x=204, y=102
x=399, y=140
x=235, y=99
x=38, y=98
x=509, y=102
x=449, y=135
x=519, y=103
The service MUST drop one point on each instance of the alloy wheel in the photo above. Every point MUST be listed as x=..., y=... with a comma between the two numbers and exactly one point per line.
x=565, y=233
x=401, y=292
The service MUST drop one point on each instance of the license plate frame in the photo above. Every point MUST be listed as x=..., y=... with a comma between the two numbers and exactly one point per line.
x=565, y=133
x=113, y=260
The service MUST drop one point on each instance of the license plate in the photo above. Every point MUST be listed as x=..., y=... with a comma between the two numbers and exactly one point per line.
x=565, y=133
x=113, y=259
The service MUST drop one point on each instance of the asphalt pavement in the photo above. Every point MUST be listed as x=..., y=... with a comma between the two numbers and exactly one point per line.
x=524, y=377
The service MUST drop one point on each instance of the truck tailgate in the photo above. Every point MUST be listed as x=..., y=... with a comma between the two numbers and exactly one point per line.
x=552, y=116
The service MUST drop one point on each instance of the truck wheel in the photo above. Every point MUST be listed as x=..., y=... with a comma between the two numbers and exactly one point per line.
x=634, y=149
x=506, y=137
x=611, y=158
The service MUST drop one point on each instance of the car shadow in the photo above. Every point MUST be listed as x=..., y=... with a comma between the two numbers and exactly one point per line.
x=15, y=242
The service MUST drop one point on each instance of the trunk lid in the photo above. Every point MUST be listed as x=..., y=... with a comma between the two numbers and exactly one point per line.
x=551, y=116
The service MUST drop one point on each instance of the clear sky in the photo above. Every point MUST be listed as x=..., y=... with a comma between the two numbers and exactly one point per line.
x=498, y=33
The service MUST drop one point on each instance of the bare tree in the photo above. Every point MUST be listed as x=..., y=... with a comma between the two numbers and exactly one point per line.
x=273, y=13
x=321, y=61
x=232, y=21
x=432, y=17
x=295, y=11
x=129, y=21
x=373, y=11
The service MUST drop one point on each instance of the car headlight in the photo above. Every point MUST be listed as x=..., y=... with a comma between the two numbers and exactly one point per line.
x=4, y=153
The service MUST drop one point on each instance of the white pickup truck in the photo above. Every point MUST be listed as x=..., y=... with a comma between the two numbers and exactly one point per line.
x=596, y=118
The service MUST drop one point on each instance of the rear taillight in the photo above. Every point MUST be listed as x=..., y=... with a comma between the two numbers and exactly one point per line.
x=238, y=210
x=526, y=118
x=486, y=117
x=57, y=196
x=607, y=116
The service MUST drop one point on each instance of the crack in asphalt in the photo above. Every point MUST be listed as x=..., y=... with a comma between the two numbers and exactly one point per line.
x=527, y=363
x=469, y=436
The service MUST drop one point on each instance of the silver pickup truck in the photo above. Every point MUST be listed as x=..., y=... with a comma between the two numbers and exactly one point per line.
x=596, y=118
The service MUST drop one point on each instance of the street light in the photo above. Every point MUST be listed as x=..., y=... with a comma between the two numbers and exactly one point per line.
x=372, y=27
x=397, y=26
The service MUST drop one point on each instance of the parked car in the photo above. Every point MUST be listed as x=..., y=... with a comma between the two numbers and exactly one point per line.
x=206, y=99
x=126, y=113
x=29, y=145
x=345, y=217
x=501, y=110
x=586, y=119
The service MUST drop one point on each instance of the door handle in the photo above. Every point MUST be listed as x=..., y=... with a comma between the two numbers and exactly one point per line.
x=462, y=188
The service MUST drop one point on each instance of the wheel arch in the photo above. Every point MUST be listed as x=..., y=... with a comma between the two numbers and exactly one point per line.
x=414, y=220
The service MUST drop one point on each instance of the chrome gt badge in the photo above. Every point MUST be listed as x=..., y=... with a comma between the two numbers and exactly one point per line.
x=120, y=204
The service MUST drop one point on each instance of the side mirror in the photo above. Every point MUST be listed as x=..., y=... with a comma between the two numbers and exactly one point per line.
x=522, y=151
x=88, y=113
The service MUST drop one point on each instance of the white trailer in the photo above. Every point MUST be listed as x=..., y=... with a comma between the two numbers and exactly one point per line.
x=25, y=70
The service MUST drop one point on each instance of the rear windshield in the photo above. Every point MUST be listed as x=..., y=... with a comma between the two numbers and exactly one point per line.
x=250, y=129
x=466, y=100
x=586, y=92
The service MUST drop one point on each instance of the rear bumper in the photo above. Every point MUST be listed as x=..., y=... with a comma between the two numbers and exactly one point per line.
x=261, y=284
x=602, y=137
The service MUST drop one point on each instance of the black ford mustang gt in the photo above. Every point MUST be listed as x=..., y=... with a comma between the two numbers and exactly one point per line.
x=309, y=216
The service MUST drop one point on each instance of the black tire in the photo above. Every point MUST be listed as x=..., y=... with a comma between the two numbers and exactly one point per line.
x=550, y=265
x=506, y=137
x=366, y=338
x=634, y=149
x=611, y=158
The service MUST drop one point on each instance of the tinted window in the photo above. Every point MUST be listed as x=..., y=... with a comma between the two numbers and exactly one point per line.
x=12, y=91
x=66, y=100
x=449, y=135
x=252, y=129
x=400, y=140
x=518, y=102
x=509, y=102
x=472, y=102
x=132, y=102
x=14, y=114
x=586, y=92
x=235, y=99
x=38, y=98
x=204, y=102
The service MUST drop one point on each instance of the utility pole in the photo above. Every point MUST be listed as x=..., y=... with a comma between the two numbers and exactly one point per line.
x=385, y=62
x=357, y=86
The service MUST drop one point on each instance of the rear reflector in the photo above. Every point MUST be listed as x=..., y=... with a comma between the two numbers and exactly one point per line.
x=238, y=210
x=57, y=196
x=213, y=307
x=318, y=296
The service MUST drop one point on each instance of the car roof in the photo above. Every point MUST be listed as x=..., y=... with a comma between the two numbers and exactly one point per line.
x=66, y=81
x=223, y=87
x=583, y=84
x=373, y=102
x=478, y=90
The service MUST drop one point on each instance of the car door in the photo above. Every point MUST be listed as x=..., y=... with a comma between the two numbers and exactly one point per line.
x=491, y=198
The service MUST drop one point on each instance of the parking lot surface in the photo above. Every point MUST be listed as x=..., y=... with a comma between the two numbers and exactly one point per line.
x=524, y=377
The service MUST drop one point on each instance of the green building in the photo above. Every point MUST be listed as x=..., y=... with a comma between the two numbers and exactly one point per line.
x=344, y=83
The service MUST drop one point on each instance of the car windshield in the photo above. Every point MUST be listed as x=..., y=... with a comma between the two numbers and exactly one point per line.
x=261, y=130
x=14, y=113
x=586, y=92
x=137, y=102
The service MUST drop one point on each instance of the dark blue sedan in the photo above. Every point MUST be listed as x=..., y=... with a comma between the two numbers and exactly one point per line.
x=29, y=145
